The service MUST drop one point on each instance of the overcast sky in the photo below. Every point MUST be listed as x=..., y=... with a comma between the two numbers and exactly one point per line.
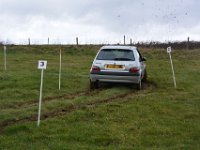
x=99, y=21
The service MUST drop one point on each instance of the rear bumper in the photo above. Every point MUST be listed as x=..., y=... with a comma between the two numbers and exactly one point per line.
x=115, y=77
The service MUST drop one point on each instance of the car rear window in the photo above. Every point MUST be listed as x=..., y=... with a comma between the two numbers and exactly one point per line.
x=116, y=54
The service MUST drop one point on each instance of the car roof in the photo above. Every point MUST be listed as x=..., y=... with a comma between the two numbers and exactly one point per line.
x=119, y=47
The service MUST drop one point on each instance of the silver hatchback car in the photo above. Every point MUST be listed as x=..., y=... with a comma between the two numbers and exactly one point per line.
x=120, y=64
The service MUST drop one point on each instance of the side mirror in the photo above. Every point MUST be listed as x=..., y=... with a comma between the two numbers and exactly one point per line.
x=143, y=59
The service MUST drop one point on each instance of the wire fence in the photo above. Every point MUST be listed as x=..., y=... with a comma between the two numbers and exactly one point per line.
x=187, y=44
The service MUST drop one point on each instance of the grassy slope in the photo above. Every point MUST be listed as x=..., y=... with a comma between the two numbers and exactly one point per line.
x=115, y=118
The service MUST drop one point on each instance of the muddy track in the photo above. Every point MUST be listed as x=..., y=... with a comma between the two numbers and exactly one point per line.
x=71, y=108
x=53, y=98
x=63, y=111
x=67, y=96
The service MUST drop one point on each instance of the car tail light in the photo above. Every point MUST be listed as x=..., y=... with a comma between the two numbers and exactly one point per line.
x=134, y=69
x=95, y=68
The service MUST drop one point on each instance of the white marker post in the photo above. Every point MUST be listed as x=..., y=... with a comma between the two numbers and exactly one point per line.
x=169, y=49
x=60, y=69
x=5, y=66
x=42, y=64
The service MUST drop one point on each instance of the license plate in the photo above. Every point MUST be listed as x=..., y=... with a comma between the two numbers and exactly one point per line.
x=110, y=66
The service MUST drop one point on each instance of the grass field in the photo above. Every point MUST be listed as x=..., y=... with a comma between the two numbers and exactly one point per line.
x=113, y=117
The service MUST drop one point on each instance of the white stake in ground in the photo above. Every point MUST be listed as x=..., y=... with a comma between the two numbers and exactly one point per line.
x=60, y=68
x=42, y=64
x=5, y=65
x=169, y=49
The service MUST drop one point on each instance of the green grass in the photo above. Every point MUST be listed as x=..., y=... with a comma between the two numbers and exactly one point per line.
x=115, y=117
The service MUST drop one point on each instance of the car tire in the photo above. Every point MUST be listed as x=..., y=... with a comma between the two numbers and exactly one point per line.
x=145, y=76
x=139, y=85
x=94, y=85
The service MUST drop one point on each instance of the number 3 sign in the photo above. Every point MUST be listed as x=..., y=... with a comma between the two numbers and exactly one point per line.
x=169, y=49
x=42, y=64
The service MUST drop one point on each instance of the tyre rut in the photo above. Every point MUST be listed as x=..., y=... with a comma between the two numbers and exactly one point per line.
x=53, y=98
x=71, y=108
x=63, y=111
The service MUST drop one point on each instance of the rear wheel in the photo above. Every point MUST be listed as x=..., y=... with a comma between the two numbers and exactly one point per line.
x=94, y=85
x=145, y=76
x=139, y=85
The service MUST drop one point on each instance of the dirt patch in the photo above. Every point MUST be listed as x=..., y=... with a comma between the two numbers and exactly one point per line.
x=149, y=85
x=31, y=103
x=61, y=111
x=71, y=108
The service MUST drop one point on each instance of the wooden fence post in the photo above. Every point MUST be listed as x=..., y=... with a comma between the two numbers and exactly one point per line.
x=188, y=41
x=77, y=41
x=29, y=41
x=48, y=40
x=131, y=42
x=124, y=40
